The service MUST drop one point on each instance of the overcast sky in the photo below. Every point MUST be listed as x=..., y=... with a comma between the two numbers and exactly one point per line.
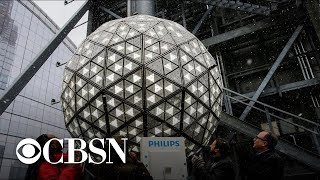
x=61, y=13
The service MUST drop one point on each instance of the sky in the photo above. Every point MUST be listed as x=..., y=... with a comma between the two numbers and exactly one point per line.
x=61, y=13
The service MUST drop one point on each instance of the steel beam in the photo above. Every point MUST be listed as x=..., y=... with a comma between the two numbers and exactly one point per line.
x=183, y=16
x=110, y=12
x=283, y=88
x=274, y=67
x=203, y=18
x=236, y=33
x=22, y=80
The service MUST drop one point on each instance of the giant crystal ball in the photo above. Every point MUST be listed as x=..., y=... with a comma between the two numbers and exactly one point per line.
x=142, y=76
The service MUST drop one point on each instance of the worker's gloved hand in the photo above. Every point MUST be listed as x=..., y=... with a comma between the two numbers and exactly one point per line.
x=197, y=162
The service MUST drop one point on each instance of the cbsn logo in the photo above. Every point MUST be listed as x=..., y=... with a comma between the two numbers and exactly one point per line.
x=163, y=143
x=28, y=150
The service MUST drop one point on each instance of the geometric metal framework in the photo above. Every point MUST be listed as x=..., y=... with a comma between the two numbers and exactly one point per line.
x=142, y=76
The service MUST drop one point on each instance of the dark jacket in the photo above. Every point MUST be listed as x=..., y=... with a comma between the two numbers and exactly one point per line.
x=219, y=169
x=265, y=166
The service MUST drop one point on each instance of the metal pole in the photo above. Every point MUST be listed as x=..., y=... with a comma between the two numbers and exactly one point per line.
x=203, y=18
x=128, y=8
x=269, y=120
x=274, y=67
x=146, y=7
x=22, y=80
x=183, y=16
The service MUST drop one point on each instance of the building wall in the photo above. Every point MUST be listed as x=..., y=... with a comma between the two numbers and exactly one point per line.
x=24, y=30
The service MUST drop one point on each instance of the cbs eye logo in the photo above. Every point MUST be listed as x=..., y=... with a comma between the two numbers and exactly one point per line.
x=28, y=151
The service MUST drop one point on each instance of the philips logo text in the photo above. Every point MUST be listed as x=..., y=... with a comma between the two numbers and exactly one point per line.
x=163, y=143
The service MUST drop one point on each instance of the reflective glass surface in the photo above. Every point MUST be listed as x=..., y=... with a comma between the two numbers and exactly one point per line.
x=24, y=31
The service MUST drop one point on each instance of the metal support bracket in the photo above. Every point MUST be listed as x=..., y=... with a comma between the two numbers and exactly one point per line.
x=110, y=12
x=274, y=67
x=203, y=18
x=22, y=80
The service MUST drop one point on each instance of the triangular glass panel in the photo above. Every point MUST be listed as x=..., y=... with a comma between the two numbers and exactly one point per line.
x=199, y=68
x=149, y=56
x=136, y=99
x=195, y=48
x=111, y=102
x=117, y=67
x=118, y=112
x=165, y=47
x=138, y=123
x=120, y=47
x=74, y=128
x=160, y=30
x=80, y=102
x=169, y=88
x=201, y=60
x=151, y=123
x=155, y=48
x=129, y=66
x=187, y=77
x=104, y=38
x=83, y=125
x=136, y=78
x=184, y=58
x=84, y=92
x=174, y=121
x=135, y=41
x=205, y=98
x=168, y=66
x=175, y=76
x=191, y=110
x=130, y=48
x=172, y=57
x=98, y=103
x=157, y=88
x=167, y=131
x=190, y=68
x=156, y=66
x=85, y=70
x=118, y=89
x=82, y=61
x=114, y=123
x=115, y=39
x=170, y=111
x=92, y=91
x=94, y=69
x=151, y=78
x=209, y=59
x=111, y=77
x=130, y=112
x=112, y=28
x=168, y=39
x=95, y=113
x=98, y=78
x=123, y=30
x=130, y=89
x=132, y=33
x=136, y=56
x=175, y=101
x=158, y=111
x=151, y=32
x=152, y=98
x=100, y=59
x=112, y=58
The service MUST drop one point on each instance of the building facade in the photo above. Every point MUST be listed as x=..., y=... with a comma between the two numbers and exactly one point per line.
x=24, y=30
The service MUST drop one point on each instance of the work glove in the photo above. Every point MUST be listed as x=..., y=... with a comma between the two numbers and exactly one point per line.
x=197, y=162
